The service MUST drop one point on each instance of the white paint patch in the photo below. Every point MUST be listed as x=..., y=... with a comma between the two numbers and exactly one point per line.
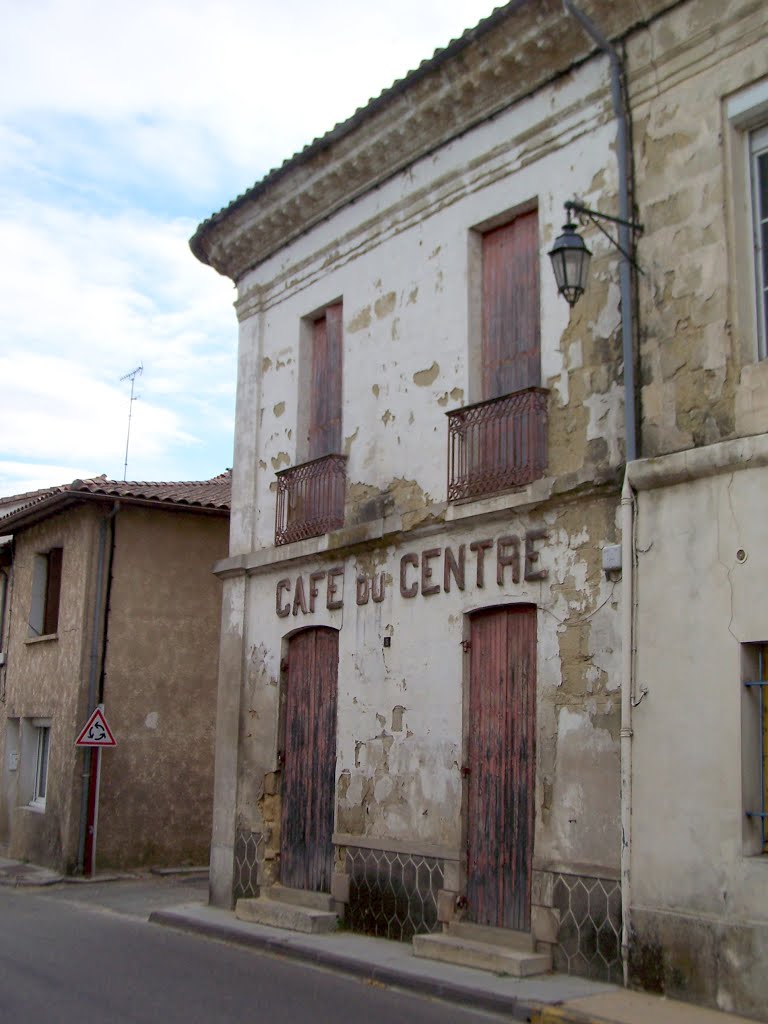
x=606, y=413
x=152, y=719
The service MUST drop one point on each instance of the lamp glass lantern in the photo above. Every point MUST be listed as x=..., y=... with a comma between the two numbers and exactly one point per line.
x=570, y=262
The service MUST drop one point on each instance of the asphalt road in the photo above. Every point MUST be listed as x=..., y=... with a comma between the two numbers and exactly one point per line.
x=71, y=955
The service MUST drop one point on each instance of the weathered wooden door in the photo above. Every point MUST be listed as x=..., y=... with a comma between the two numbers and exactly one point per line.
x=309, y=769
x=502, y=757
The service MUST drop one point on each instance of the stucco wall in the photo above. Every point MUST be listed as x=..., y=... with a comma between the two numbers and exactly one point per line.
x=45, y=680
x=700, y=901
x=160, y=688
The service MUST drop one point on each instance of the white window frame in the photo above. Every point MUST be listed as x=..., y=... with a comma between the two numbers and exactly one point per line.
x=42, y=728
x=746, y=114
x=758, y=166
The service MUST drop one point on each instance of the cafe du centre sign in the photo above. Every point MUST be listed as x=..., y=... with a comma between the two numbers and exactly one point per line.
x=435, y=570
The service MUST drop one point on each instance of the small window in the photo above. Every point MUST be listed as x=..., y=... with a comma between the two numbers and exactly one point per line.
x=46, y=590
x=43, y=740
x=755, y=744
x=758, y=158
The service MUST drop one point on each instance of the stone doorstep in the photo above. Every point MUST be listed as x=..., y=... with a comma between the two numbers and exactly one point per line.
x=485, y=956
x=279, y=914
x=298, y=897
x=524, y=942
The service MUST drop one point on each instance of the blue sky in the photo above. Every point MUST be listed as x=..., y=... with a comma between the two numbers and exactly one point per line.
x=122, y=126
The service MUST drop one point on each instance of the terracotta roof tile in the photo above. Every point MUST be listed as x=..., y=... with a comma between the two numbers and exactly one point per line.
x=211, y=494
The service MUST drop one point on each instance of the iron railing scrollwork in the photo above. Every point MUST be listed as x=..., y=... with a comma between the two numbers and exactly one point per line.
x=310, y=499
x=497, y=444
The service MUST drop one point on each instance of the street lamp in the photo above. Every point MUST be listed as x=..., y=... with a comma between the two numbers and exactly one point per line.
x=570, y=255
x=570, y=262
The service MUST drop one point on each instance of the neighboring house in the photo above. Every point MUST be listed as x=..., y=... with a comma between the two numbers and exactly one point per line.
x=460, y=675
x=108, y=598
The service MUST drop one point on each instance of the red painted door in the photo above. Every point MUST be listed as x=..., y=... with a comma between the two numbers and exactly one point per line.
x=502, y=759
x=309, y=769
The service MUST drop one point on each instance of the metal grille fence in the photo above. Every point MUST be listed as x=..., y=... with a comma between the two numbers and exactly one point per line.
x=393, y=895
x=310, y=499
x=497, y=444
x=589, y=940
x=249, y=856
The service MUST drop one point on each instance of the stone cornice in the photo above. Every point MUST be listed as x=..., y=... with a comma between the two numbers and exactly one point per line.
x=510, y=55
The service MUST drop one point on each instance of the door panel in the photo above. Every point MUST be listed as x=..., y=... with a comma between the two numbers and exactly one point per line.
x=502, y=761
x=309, y=769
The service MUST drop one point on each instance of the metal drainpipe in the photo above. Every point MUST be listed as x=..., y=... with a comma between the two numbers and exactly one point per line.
x=627, y=687
x=627, y=497
x=99, y=615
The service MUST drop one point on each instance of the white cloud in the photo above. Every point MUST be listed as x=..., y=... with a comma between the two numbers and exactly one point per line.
x=20, y=477
x=115, y=118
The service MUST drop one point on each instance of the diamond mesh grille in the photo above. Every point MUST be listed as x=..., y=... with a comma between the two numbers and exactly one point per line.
x=249, y=856
x=393, y=895
x=589, y=940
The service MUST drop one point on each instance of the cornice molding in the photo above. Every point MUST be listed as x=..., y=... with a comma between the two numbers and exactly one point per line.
x=512, y=54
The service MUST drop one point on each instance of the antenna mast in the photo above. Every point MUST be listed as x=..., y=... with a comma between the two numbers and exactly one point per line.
x=132, y=378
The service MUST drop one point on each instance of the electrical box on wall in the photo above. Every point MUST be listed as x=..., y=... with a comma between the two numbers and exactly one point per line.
x=13, y=760
x=612, y=558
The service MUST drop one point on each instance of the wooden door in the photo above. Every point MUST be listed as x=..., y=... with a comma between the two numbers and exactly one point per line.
x=502, y=759
x=309, y=768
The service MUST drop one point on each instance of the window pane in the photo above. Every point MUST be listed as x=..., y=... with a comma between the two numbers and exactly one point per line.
x=760, y=214
x=41, y=780
x=762, y=184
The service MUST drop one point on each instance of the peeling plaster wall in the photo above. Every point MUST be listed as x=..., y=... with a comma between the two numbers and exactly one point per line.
x=405, y=262
x=700, y=903
x=401, y=734
x=699, y=384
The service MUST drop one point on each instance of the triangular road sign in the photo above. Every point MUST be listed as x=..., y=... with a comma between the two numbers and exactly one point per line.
x=96, y=732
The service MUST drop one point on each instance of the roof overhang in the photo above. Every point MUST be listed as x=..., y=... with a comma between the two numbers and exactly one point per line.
x=55, y=504
x=510, y=55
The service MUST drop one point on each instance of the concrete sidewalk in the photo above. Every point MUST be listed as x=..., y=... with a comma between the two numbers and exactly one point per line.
x=547, y=999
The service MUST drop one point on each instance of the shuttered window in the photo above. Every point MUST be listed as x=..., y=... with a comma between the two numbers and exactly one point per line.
x=46, y=591
x=325, y=393
x=511, y=338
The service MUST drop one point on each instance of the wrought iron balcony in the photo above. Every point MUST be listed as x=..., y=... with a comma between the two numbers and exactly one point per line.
x=497, y=444
x=310, y=499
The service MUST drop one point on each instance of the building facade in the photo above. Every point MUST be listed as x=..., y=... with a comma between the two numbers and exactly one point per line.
x=111, y=602
x=453, y=678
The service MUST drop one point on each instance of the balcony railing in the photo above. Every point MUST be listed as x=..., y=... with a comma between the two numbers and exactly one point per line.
x=497, y=444
x=310, y=499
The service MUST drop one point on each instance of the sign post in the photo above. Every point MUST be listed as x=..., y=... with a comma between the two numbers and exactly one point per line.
x=94, y=735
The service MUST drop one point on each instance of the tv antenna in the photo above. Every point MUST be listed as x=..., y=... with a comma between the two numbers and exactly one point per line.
x=132, y=378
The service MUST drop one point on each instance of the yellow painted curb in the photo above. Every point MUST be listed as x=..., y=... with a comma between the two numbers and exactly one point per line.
x=563, y=1015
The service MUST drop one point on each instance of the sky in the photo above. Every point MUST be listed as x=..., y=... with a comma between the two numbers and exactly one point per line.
x=122, y=126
